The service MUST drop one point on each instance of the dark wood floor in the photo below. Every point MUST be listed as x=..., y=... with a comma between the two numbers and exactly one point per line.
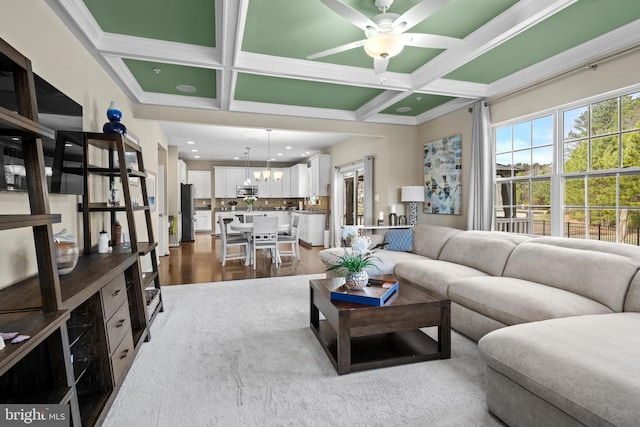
x=199, y=262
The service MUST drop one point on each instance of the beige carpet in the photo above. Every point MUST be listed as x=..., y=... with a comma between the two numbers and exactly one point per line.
x=240, y=353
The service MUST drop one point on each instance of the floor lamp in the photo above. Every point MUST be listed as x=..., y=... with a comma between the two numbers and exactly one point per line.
x=413, y=194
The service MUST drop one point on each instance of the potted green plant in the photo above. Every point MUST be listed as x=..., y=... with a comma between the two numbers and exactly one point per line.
x=353, y=264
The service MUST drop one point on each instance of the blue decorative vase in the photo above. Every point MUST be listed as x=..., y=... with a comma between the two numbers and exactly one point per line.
x=114, y=114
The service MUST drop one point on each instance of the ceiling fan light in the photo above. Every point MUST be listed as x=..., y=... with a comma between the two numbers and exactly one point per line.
x=383, y=45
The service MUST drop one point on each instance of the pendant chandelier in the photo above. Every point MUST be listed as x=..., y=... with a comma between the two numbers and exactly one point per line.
x=266, y=173
x=247, y=180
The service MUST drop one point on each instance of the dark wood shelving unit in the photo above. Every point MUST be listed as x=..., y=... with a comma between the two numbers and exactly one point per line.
x=37, y=370
x=86, y=327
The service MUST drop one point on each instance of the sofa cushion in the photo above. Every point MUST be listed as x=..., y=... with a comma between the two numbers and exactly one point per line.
x=434, y=275
x=512, y=301
x=587, y=366
x=484, y=251
x=399, y=240
x=602, y=277
x=428, y=240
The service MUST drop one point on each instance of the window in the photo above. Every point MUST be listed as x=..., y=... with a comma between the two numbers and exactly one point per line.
x=601, y=165
x=524, y=165
x=596, y=180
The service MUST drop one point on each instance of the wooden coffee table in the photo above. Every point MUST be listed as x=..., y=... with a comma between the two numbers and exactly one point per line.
x=358, y=337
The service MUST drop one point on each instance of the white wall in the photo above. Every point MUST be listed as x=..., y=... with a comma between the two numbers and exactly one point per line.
x=458, y=122
x=36, y=32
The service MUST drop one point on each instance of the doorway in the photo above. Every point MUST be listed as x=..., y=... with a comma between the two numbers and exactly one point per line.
x=353, y=197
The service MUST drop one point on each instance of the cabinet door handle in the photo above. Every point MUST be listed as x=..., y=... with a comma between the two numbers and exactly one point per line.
x=124, y=353
x=120, y=323
x=116, y=293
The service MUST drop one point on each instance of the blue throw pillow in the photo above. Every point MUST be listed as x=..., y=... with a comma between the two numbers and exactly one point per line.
x=399, y=240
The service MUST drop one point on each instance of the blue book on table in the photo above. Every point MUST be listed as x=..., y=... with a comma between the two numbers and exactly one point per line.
x=375, y=295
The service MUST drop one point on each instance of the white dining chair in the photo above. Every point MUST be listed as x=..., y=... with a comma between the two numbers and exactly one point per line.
x=232, y=241
x=265, y=236
x=291, y=238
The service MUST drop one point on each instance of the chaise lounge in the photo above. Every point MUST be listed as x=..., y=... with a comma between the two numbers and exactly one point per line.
x=555, y=318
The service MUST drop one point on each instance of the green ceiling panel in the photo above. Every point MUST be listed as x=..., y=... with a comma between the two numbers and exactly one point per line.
x=312, y=27
x=578, y=23
x=276, y=90
x=170, y=76
x=186, y=22
x=418, y=102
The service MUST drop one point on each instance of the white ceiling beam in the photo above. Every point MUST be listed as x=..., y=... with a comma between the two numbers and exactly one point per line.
x=379, y=103
x=291, y=110
x=319, y=71
x=455, y=88
x=441, y=110
x=230, y=20
x=517, y=19
x=159, y=51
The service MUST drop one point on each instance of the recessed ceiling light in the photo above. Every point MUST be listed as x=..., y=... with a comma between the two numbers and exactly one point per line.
x=288, y=147
x=403, y=109
x=236, y=158
x=186, y=88
x=15, y=138
x=194, y=151
x=68, y=144
x=190, y=142
x=279, y=154
x=306, y=153
x=196, y=157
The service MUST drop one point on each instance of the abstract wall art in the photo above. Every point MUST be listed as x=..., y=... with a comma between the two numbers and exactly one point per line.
x=443, y=176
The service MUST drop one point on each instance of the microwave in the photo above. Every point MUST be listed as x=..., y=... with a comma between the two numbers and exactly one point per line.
x=246, y=190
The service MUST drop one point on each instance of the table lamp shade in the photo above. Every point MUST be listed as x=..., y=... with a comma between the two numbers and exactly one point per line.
x=412, y=194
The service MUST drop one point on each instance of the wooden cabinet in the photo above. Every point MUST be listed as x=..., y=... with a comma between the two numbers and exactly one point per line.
x=202, y=183
x=319, y=174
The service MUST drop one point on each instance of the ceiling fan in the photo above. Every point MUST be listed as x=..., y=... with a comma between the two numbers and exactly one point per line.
x=385, y=32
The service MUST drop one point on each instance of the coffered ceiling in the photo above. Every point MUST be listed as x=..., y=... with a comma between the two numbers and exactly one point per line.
x=251, y=55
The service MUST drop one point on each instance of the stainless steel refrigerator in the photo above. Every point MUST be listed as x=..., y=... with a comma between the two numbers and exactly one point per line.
x=188, y=209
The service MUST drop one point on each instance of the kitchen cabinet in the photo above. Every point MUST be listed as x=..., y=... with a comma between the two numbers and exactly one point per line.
x=203, y=220
x=226, y=181
x=299, y=186
x=202, y=182
x=270, y=188
x=319, y=174
x=182, y=171
x=311, y=228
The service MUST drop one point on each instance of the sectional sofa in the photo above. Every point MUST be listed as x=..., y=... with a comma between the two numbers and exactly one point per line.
x=557, y=319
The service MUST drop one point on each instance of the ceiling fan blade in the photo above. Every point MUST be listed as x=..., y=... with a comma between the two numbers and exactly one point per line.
x=417, y=14
x=337, y=49
x=350, y=14
x=380, y=65
x=430, y=41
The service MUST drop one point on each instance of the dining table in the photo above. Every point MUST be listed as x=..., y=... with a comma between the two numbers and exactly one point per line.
x=246, y=228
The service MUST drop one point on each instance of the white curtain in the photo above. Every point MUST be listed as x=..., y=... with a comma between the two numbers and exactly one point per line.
x=337, y=207
x=481, y=184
